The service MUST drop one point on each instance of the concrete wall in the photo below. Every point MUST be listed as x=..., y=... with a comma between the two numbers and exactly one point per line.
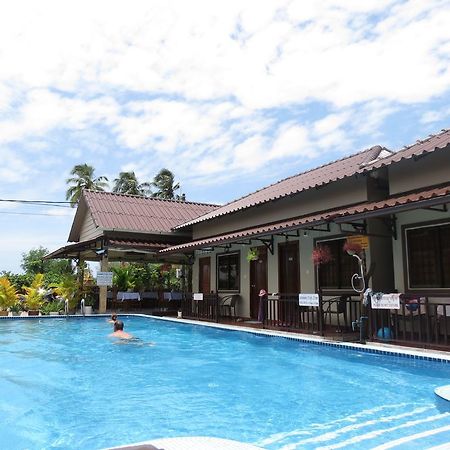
x=344, y=192
x=306, y=266
x=428, y=170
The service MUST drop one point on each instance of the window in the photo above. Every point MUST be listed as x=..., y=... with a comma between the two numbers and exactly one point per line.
x=337, y=273
x=428, y=253
x=228, y=272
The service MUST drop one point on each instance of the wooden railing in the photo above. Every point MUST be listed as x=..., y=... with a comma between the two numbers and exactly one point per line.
x=418, y=322
x=334, y=314
x=206, y=309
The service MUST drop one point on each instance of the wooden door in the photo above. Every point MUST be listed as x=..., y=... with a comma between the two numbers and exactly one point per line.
x=288, y=277
x=258, y=280
x=288, y=268
x=204, y=279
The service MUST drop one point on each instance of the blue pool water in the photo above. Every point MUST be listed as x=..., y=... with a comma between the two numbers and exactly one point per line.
x=65, y=385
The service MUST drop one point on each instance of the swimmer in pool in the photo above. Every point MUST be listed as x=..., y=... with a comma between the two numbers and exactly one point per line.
x=118, y=331
x=113, y=318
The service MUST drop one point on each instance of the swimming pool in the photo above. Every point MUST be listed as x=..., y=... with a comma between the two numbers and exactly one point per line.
x=65, y=385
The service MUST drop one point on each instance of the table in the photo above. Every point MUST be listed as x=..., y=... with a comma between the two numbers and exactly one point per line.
x=127, y=299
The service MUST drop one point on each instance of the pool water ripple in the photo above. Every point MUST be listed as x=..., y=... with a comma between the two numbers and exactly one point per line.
x=71, y=387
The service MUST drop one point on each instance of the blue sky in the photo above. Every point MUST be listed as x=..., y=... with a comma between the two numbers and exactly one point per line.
x=230, y=96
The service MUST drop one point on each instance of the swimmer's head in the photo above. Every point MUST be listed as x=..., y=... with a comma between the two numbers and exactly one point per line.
x=114, y=317
x=118, y=325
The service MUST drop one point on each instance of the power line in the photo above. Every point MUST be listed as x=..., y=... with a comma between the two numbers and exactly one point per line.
x=33, y=214
x=38, y=202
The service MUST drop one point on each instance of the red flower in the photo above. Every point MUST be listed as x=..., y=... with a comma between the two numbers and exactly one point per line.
x=321, y=255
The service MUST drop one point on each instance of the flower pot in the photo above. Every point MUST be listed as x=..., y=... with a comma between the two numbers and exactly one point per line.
x=33, y=312
x=3, y=313
x=24, y=314
x=54, y=313
x=88, y=310
x=180, y=315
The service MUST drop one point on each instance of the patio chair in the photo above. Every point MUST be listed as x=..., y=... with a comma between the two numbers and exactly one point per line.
x=228, y=305
x=341, y=308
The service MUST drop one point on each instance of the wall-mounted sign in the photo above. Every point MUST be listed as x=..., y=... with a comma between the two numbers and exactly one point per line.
x=198, y=296
x=385, y=301
x=360, y=240
x=308, y=299
x=104, y=278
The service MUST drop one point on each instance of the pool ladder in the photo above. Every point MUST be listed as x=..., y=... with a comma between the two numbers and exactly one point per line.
x=66, y=307
x=82, y=308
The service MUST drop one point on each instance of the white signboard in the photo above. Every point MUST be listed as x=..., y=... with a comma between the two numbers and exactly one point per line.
x=386, y=301
x=104, y=278
x=308, y=299
x=198, y=296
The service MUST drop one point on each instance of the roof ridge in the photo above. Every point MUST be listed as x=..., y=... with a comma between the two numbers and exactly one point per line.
x=119, y=194
x=422, y=141
x=297, y=175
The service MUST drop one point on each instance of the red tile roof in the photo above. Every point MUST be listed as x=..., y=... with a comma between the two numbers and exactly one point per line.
x=364, y=161
x=141, y=214
x=424, y=198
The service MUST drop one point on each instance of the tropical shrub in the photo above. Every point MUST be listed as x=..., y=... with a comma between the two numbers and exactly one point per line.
x=54, y=306
x=68, y=289
x=8, y=294
x=34, y=294
x=123, y=277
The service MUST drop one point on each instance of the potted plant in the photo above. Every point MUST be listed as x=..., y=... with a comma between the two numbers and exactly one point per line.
x=8, y=296
x=253, y=254
x=89, y=302
x=34, y=295
x=321, y=255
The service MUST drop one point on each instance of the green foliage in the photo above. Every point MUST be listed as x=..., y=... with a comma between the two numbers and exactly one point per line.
x=164, y=181
x=83, y=178
x=123, y=277
x=34, y=294
x=89, y=300
x=54, y=270
x=253, y=254
x=69, y=289
x=127, y=183
x=18, y=279
x=54, y=306
x=8, y=294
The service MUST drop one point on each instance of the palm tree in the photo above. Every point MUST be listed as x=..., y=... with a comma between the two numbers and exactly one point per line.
x=164, y=182
x=127, y=183
x=83, y=178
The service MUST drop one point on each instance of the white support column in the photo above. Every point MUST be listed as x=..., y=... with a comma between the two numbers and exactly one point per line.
x=103, y=289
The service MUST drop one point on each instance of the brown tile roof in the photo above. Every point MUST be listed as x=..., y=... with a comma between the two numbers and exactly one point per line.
x=141, y=214
x=364, y=161
x=424, y=198
x=312, y=178
x=421, y=147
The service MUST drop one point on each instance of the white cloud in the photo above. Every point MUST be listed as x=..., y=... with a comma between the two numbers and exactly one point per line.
x=215, y=91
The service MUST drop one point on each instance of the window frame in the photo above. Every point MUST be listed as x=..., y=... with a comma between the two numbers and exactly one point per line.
x=444, y=291
x=238, y=275
x=331, y=290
